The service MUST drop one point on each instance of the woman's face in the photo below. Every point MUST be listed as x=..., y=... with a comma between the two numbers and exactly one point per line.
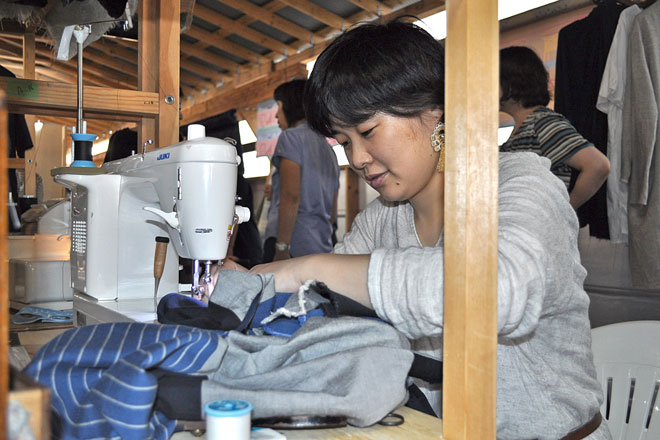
x=281, y=119
x=392, y=153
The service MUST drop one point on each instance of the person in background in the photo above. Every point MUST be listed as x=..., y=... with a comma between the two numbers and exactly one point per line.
x=524, y=96
x=378, y=89
x=305, y=181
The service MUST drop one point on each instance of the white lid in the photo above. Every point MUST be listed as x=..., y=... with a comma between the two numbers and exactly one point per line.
x=196, y=131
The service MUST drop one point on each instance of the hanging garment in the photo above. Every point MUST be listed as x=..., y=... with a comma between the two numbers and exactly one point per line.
x=610, y=102
x=582, y=51
x=640, y=150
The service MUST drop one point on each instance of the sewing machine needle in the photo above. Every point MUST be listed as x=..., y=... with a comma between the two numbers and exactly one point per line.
x=159, y=263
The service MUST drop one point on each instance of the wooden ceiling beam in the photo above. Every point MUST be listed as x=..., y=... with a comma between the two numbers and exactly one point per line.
x=223, y=22
x=202, y=54
x=109, y=46
x=241, y=96
x=271, y=19
x=373, y=6
x=217, y=39
x=318, y=13
x=100, y=77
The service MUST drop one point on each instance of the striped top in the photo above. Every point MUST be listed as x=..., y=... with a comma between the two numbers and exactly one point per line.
x=549, y=134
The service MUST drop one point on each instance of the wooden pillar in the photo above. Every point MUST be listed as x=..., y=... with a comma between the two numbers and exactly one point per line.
x=29, y=168
x=158, y=69
x=4, y=269
x=147, y=63
x=471, y=178
x=28, y=56
x=352, y=197
x=169, y=30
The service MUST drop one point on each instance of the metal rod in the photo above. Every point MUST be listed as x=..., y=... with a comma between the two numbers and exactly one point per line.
x=79, y=124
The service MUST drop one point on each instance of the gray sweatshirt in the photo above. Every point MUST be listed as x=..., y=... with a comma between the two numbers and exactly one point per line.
x=546, y=380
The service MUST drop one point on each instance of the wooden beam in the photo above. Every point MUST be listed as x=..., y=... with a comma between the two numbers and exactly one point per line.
x=29, y=56
x=373, y=6
x=42, y=97
x=217, y=39
x=168, y=72
x=245, y=95
x=221, y=21
x=192, y=50
x=273, y=20
x=147, y=64
x=318, y=13
x=4, y=271
x=305, y=52
x=471, y=182
x=92, y=74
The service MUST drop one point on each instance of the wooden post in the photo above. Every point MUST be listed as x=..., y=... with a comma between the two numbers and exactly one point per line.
x=169, y=29
x=147, y=63
x=352, y=197
x=471, y=178
x=158, y=69
x=4, y=269
x=28, y=56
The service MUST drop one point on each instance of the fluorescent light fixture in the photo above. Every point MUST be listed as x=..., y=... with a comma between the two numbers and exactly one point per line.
x=246, y=133
x=255, y=166
x=436, y=24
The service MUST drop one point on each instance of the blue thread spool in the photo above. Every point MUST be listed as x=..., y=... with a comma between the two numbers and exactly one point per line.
x=82, y=150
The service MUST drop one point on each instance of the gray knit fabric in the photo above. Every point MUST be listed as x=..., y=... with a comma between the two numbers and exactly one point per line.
x=345, y=366
x=546, y=384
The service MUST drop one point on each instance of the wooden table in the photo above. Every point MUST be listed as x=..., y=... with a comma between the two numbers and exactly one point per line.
x=416, y=426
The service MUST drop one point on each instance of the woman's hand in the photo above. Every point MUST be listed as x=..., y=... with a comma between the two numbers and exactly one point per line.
x=207, y=287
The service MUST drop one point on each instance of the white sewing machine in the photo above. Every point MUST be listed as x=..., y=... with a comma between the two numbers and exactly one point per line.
x=186, y=191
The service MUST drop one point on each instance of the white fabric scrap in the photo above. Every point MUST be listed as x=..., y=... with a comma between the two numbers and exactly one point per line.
x=288, y=313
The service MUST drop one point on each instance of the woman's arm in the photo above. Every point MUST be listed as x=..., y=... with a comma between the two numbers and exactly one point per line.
x=289, y=202
x=346, y=274
x=594, y=167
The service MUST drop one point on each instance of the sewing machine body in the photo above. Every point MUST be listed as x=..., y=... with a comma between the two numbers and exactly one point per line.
x=186, y=192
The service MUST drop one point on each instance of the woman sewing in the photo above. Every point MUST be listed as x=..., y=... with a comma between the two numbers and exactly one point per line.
x=379, y=90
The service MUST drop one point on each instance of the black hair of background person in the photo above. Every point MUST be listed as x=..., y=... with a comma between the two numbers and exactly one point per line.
x=290, y=94
x=582, y=50
x=122, y=144
x=523, y=77
x=247, y=245
x=19, y=141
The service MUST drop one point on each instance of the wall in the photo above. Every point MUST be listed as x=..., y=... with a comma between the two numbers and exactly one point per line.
x=47, y=153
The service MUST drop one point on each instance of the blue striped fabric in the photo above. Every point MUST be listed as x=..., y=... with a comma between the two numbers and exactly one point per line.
x=99, y=379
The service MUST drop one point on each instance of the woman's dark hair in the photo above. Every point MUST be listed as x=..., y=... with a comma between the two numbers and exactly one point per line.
x=523, y=77
x=396, y=68
x=291, y=94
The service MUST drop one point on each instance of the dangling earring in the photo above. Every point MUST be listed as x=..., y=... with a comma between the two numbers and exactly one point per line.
x=438, y=144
